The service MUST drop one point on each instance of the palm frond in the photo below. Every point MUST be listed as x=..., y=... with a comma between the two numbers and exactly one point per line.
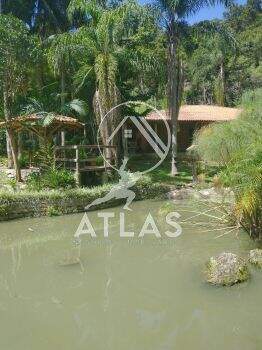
x=78, y=106
x=47, y=119
x=33, y=106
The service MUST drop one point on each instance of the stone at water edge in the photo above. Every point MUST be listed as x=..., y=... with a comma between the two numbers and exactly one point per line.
x=226, y=269
x=255, y=257
x=180, y=194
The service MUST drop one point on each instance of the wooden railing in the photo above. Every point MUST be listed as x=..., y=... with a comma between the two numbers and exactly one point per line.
x=83, y=158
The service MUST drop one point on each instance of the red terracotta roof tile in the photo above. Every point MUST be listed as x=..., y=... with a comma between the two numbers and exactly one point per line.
x=200, y=113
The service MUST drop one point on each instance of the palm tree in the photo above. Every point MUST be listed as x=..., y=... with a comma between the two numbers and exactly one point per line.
x=219, y=43
x=101, y=60
x=15, y=49
x=60, y=56
x=174, y=13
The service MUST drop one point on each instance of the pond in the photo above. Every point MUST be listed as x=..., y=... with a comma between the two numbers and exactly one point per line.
x=119, y=293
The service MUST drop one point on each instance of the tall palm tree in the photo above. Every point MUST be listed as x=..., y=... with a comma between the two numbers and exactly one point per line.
x=105, y=37
x=60, y=54
x=174, y=13
x=98, y=38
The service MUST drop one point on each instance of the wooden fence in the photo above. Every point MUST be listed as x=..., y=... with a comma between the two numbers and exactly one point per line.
x=83, y=158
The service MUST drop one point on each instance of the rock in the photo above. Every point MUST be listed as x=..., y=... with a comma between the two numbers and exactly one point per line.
x=206, y=193
x=183, y=193
x=255, y=257
x=226, y=269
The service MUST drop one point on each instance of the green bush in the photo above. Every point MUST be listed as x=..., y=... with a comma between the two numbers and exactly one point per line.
x=57, y=202
x=3, y=161
x=51, y=179
x=237, y=147
x=2, y=142
x=24, y=161
x=53, y=211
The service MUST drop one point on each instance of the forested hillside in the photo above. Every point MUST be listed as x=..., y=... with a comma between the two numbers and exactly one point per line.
x=66, y=56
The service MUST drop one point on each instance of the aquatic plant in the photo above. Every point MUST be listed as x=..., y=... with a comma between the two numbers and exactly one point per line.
x=236, y=147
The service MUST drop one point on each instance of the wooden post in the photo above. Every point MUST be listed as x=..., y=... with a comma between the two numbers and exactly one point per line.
x=77, y=173
x=105, y=174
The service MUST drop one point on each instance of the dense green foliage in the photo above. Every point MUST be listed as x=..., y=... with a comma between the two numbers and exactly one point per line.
x=82, y=57
x=51, y=179
x=237, y=147
x=31, y=203
x=225, y=59
x=122, y=47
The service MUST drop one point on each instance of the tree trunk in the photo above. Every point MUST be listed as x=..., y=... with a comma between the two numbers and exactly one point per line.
x=10, y=163
x=11, y=145
x=223, y=82
x=173, y=98
x=7, y=115
x=19, y=145
x=63, y=88
x=100, y=112
x=204, y=95
x=110, y=123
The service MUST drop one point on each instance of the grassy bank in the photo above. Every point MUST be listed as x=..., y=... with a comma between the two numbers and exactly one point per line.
x=14, y=205
x=162, y=174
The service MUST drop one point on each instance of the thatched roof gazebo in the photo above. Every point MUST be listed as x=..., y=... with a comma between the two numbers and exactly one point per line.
x=43, y=124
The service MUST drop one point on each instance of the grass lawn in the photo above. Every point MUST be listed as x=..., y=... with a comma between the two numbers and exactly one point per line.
x=162, y=174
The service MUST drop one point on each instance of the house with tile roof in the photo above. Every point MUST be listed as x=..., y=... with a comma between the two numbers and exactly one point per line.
x=191, y=118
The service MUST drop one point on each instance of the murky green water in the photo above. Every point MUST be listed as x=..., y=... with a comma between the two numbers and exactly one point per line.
x=131, y=295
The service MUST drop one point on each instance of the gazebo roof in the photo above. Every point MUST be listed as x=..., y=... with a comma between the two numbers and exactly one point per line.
x=37, y=121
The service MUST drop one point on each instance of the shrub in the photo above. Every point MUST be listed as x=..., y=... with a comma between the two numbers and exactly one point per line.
x=53, y=211
x=56, y=202
x=24, y=161
x=3, y=161
x=51, y=179
x=2, y=142
x=237, y=147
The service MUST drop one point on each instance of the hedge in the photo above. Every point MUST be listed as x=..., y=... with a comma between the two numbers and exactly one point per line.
x=14, y=205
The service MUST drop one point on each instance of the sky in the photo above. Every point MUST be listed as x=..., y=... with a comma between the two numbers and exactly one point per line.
x=207, y=12
x=211, y=13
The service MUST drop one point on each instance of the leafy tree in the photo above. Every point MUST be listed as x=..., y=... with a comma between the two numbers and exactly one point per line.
x=61, y=54
x=100, y=59
x=42, y=16
x=209, y=62
x=174, y=13
x=15, y=48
